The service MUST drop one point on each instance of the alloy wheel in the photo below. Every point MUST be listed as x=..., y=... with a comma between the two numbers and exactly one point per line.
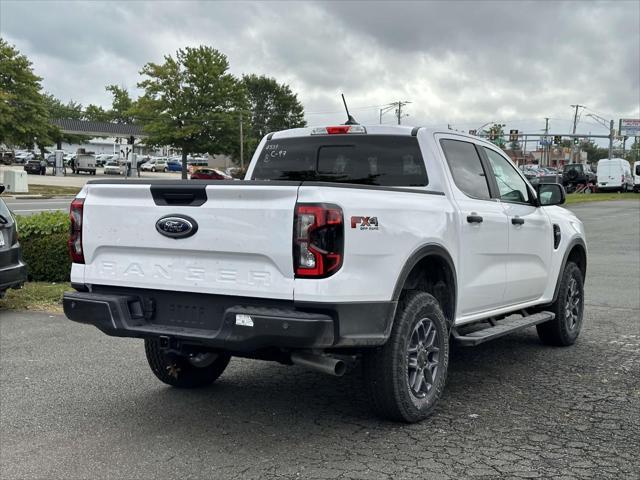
x=572, y=304
x=423, y=358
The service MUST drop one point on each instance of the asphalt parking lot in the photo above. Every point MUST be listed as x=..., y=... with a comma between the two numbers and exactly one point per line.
x=78, y=404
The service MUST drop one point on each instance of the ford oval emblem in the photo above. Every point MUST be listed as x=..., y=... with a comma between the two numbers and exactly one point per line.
x=176, y=226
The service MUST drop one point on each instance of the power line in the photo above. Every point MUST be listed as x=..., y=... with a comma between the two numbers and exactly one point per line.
x=342, y=111
x=400, y=104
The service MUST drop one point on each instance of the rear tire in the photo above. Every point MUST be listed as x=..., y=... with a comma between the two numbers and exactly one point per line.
x=564, y=329
x=179, y=371
x=405, y=377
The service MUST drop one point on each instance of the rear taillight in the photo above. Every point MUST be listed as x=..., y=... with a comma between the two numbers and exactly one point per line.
x=318, y=240
x=75, y=233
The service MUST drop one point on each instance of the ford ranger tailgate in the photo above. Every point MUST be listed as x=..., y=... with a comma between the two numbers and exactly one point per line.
x=230, y=238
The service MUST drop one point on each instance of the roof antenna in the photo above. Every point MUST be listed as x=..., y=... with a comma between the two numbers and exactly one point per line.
x=350, y=119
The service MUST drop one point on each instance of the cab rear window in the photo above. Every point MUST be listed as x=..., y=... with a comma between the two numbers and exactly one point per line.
x=387, y=160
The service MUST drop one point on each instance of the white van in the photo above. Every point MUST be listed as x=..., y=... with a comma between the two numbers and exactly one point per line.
x=614, y=174
x=636, y=176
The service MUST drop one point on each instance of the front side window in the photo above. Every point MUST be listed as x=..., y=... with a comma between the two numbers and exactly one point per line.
x=511, y=186
x=466, y=168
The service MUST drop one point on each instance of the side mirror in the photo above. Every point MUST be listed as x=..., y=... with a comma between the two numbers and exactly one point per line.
x=550, y=194
x=1, y=188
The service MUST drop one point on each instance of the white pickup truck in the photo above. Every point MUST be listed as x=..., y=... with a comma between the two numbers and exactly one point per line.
x=344, y=243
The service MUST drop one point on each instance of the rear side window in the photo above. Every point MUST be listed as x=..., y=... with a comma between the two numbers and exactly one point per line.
x=466, y=168
x=387, y=160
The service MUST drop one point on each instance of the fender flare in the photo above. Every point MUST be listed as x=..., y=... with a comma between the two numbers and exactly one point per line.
x=565, y=258
x=431, y=249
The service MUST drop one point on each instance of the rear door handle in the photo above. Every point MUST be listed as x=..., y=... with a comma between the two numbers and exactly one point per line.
x=517, y=221
x=474, y=219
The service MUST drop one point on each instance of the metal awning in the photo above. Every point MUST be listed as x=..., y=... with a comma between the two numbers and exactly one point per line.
x=98, y=129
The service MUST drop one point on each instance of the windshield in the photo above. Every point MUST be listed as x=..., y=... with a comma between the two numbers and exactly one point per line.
x=577, y=167
x=388, y=160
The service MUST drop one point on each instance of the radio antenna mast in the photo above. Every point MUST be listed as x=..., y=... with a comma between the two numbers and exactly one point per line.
x=350, y=119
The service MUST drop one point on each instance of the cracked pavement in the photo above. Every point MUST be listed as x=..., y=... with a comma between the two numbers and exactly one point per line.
x=78, y=404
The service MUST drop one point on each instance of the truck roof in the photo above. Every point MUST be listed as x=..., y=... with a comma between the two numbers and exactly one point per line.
x=374, y=129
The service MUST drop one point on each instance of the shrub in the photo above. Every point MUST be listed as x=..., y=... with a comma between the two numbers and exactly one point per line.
x=43, y=238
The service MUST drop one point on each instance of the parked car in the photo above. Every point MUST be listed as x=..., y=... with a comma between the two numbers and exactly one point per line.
x=173, y=166
x=7, y=157
x=113, y=168
x=574, y=174
x=532, y=173
x=636, y=176
x=155, y=165
x=23, y=157
x=32, y=167
x=103, y=158
x=209, y=174
x=397, y=249
x=614, y=174
x=13, y=271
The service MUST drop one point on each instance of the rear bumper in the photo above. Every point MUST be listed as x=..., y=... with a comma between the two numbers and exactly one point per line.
x=13, y=272
x=240, y=324
x=610, y=188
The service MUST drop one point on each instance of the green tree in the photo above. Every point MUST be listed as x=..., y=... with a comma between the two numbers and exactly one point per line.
x=121, y=105
x=495, y=134
x=23, y=115
x=272, y=107
x=96, y=113
x=56, y=110
x=633, y=155
x=192, y=103
x=594, y=153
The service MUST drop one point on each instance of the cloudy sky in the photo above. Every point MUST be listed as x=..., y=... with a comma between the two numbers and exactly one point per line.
x=462, y=63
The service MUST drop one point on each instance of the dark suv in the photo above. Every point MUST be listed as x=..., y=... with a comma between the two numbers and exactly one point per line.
x=576, y=174
x=13, y=272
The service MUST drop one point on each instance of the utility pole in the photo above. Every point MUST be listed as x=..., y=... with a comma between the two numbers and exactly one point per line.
x=611, y=139
x=241, y=145
x=399, y=109
x=575, y=123
x=545, y=147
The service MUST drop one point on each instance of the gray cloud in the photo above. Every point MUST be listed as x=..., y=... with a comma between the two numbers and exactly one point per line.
x=464, y=62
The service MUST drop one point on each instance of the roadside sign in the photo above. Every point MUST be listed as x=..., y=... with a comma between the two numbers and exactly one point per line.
x=629, y=127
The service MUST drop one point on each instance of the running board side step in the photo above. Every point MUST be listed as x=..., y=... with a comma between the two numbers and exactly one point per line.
x=502, y=328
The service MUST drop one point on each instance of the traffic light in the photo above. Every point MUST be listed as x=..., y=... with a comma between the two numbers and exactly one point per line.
x=492, y=136
x=557, y=139
x=472, y=132
x=576, y=141
x=513, y=135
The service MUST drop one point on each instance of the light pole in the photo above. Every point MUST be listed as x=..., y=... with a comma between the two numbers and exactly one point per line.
x=603, y=122
x=488, y=123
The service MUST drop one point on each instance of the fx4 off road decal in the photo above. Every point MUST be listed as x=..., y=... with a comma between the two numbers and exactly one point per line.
x=365, y=223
